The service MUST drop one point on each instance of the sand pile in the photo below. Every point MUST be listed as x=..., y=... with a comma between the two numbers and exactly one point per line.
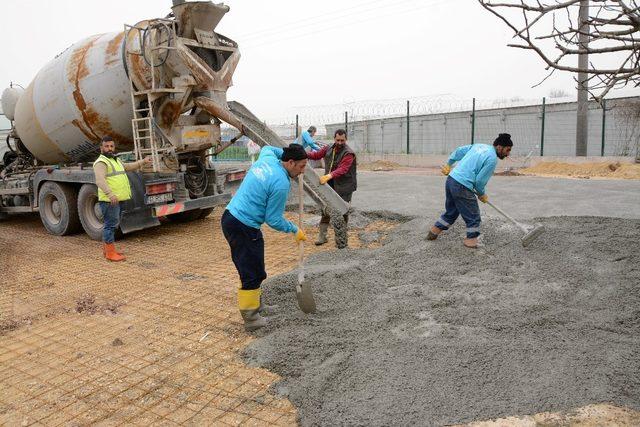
x=431, y=333
x=615, y=170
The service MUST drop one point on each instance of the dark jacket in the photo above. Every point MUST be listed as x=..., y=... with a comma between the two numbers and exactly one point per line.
x=347, y=183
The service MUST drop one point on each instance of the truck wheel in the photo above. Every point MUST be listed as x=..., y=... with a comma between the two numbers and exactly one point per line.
x=205, y=212
x=58, y=207
x=186, y=216
x=89, y=211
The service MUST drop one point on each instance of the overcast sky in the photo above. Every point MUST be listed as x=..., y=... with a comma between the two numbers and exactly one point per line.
x=311, y=53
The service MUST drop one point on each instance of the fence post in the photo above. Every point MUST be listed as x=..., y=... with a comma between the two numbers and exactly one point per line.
x=407, y=127
x=346, y=123
x=473, y=120
x=297, y=127
x=544, y=107
x=604, y=115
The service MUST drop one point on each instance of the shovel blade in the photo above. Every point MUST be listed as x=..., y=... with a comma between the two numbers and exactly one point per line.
x=306, y=302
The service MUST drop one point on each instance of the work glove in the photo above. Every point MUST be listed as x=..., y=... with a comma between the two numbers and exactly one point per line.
x=300, y=236
x=484, y=198
x=445, y=169
x=325, y=178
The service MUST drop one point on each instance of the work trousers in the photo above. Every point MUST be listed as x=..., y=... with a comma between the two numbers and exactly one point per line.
x=326, y=219
x=460, y=201
x=111, y=220
x=247, y=250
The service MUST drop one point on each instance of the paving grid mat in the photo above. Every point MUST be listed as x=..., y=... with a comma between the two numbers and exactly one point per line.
x=153, y=340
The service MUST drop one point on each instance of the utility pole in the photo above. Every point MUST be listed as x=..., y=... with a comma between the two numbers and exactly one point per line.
x=582, y=119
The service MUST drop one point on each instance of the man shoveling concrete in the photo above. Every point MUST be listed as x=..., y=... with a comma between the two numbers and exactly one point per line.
x=261, y=198
x=476, y=164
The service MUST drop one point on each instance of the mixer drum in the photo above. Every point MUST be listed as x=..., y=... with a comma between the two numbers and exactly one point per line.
x=75, y=100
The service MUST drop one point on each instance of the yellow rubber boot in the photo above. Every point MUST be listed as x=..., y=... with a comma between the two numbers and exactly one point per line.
x=249, y=306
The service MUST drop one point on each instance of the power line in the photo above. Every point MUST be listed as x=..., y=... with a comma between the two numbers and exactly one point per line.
x=315, y=23
x=308, y=18
x=351, y=23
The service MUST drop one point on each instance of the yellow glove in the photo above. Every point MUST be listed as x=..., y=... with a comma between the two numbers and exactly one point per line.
x=445, y=169
x=484, y=198
x=325, y=178
x=300, y=236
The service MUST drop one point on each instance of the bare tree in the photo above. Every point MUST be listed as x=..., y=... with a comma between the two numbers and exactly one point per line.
x=551, y=29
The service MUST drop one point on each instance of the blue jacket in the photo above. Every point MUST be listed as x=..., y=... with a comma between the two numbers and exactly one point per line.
x=307, y=141
x=263, y=193
x=476, y=165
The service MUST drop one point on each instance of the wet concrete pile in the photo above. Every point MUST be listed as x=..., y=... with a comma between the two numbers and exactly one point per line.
x=431, y=333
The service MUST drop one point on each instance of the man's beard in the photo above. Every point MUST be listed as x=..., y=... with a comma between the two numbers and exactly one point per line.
x=109, y=154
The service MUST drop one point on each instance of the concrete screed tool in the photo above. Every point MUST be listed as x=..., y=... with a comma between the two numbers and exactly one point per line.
x=531, y=232
x=303, y=290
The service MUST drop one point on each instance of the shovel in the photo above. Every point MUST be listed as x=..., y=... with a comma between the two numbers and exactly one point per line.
x=531, y=232
x=303, y=290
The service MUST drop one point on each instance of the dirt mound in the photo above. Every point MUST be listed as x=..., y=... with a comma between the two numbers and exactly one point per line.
x=615, y=170
x=431, y=333
x=379, y=166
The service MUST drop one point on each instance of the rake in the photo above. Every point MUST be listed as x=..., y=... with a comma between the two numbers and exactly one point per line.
x=531, y=232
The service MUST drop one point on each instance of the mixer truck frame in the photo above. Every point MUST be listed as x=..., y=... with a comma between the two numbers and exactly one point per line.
x=158, y=88
x=140, y=87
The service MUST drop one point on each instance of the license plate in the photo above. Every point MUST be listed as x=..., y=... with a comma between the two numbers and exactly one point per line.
x=159, y=198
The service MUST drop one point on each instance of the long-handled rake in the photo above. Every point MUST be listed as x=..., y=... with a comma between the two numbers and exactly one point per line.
x=531, y=232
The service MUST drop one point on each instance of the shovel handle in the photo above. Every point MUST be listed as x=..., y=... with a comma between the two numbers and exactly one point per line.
x=300, y=210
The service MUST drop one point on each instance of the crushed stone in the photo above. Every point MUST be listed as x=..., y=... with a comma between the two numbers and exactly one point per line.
x=431, y=333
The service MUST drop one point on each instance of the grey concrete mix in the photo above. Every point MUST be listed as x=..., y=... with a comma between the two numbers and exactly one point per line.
x=431, y=333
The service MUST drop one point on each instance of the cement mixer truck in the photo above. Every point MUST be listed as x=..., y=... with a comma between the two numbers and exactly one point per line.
x=139, y=86
x=158, y=88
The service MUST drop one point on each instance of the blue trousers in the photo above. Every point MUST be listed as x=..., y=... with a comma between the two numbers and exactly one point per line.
x=460, y=201
x=111, y=218
x=247, y=250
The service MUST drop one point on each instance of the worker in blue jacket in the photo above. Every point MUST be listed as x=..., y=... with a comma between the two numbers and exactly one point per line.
x=307, y=139
x=260, y=199
x=476, y=164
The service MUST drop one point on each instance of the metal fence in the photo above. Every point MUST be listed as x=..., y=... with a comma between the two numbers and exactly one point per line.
x=546, y=129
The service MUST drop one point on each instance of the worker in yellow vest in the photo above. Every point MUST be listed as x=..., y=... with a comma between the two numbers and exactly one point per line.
x=113, y=188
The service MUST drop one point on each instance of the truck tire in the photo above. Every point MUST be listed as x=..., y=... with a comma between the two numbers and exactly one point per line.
x=89, y=211
x=186, y=216
x=194, y=214
x=58, y=207
x=205, y=212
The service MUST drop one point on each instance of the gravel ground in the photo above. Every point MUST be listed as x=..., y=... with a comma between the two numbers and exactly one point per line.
x=431, y=333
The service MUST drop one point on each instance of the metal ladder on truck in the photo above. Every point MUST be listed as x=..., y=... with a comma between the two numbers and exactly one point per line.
x=145, y=140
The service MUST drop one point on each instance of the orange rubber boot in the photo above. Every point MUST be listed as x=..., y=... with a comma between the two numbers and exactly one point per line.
x=111, y=254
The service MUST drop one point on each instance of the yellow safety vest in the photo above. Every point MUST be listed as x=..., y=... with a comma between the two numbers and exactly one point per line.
x=116, y=179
